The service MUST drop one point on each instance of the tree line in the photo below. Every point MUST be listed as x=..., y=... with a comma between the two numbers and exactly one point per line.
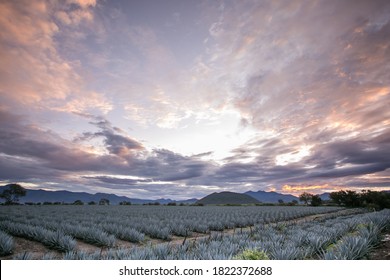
x=366, y=198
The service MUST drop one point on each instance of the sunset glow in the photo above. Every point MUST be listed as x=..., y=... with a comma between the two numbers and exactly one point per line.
x=178, y=99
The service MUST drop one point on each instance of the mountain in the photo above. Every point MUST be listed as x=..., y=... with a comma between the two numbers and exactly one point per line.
x=271, y=197
x=325, y=196
x=36, y=196
x=250, y=197
x=227, y=198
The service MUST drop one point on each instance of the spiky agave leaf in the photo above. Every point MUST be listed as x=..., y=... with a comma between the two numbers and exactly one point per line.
x=6, y=244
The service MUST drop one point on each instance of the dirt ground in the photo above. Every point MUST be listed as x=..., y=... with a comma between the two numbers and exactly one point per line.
x=382, y=251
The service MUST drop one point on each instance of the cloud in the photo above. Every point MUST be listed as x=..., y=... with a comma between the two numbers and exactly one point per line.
x=34, y=71
x=286, y=75
x=310, y=79
x=87, y=103
x=115, y=143
x=30, y=152
x=27, y=143
x=83, y=3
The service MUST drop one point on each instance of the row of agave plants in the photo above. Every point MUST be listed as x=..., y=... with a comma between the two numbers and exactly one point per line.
x=329, y=237
x=6, y=244
x=348, y=237
x=101, y=226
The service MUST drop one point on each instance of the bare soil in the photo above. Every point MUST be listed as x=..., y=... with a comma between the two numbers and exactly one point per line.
x=382, y=251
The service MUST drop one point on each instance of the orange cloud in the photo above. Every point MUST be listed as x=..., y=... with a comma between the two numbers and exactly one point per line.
x=88, y=101
x=33, y=72
x=315, y=189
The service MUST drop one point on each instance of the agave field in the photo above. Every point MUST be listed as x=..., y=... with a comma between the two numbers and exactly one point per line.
x=187, y=232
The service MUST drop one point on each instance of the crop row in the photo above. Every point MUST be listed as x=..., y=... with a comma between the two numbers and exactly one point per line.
x=349, y=237
x=6, y=244
x=56, y=240
x=101, y=225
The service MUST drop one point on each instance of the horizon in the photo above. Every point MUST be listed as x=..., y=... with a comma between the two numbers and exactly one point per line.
x=180, y=99
x=207, y=194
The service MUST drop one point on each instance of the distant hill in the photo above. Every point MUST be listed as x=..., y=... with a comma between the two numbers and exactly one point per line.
x=227, y=198
x=250, y=197
x=325, y=196
x=36, y=196
x=271, y=197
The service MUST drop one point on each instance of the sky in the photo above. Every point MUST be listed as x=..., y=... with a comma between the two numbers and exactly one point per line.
x=178, y=99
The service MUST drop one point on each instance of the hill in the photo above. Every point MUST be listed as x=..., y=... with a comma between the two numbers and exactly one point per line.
x=325, y=196
x=227, y=198
x=40, y=196
x=271, y=197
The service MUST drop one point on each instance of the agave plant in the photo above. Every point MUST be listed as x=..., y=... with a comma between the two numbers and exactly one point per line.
x=285, y=253
x=6, y=244
x=59, y=241
x=24, y=256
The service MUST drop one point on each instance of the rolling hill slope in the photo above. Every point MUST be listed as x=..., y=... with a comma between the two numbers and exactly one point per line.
x=227, y=198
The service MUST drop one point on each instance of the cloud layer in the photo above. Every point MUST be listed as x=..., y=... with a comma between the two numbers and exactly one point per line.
x=99, y=96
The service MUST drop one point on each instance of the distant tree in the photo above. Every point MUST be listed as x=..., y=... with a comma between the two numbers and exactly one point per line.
x=367, y=198
x=305, y=197
x=125, y=203
x=197, y=204
x=292, y=203
x=347, y=198
x=280, y=201
x=12, y=192
x=78, y=202
x=104, y=201
x=337, y=197
x=375, y=200
x=172, y=204
x=316, y=200
x=92, y=203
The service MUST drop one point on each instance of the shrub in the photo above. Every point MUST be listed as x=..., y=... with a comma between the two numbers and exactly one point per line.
x=252, y=255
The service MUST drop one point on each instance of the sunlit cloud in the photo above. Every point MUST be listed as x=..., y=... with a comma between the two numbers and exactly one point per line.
x=316, y=189
x=183, y=100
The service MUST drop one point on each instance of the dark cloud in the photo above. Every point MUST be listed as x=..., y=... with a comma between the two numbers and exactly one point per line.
x=115, y=143
x=119, y=181
x=30, y=152
x=27, y=143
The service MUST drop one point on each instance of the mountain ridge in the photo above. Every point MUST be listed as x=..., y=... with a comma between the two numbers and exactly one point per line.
x=271, y=197
x=64, y=196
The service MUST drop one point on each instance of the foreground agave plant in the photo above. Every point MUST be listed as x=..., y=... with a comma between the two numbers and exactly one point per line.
x=6, y=244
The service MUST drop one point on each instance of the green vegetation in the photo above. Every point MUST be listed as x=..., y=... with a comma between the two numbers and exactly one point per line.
x=104, y=201
x=11, y=193
x=370, y=199
x=313, y=199
x=252, y=255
